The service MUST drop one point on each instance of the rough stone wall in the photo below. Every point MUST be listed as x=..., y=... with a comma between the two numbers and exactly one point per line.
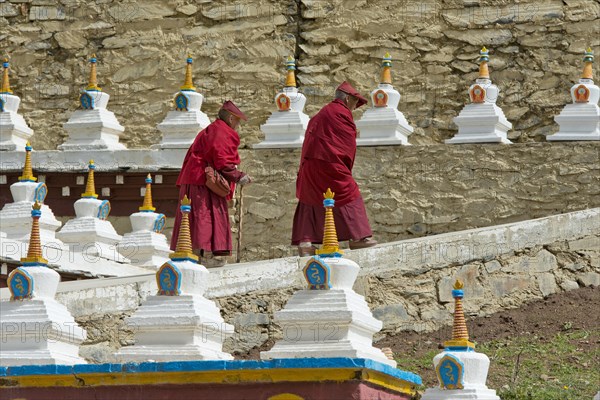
x=403, y=300
x=423, y=190
x=239, y=49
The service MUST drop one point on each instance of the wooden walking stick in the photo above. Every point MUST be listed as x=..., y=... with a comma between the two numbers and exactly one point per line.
x=239, y=234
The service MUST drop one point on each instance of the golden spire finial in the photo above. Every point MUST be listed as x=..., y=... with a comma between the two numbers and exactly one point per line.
x=147, y=204
x=93, y=82
x=184, y=250
x=188, y=84
x=290, y=79
x=386, y=73
x=27, y=171
x=330, y=247
x=90, y=187
x=484, y=72
x=588, y=60
x=460, y=334
x=5, y=88
x=34, y=253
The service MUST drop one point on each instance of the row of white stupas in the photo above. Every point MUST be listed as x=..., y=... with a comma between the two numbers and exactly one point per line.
x=179, y=323
x=93, y=127
x=87, y=243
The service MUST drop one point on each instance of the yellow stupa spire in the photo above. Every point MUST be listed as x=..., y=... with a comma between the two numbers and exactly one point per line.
x=290, y=79
x=90, y=187
x=330, y=240
x=34, y=253
x=27, y=171
x=147, y=204
x=93, y=82
x=484, y=72
x=5, y=88
x=184, y=250
x=460, y=334
x=588, y=59
x=188, y=84
x=386, y=73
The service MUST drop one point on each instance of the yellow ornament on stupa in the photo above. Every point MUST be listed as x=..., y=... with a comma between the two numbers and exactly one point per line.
x=147, y=204
x=484, y=72
x=34, y=252
x=183, y=250
x=27, y=170
x=5, y=88
x=460, y=333
x=188, y=84
x=90, y=187
x=386, y=73
x=588, y=60
x=290, y=79
x=93, y=81
x=331, y=246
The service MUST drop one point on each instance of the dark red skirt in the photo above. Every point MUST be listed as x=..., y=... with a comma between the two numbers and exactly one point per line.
x=209, y=221
x=351, y=222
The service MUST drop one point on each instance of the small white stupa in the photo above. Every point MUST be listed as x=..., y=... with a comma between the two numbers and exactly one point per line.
x=89, y=232
x=36, y=329
x=581, y=119
x=461, y=371
x=285, y=127
x=93, y=127
x=329, y=319
x=178, y=323
x=383, y=124
x=14, y=132
x=180, y=127
x=482, y=121
x=15, y=218
x=146, y=246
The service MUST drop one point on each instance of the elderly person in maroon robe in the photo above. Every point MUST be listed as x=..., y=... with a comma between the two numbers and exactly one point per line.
x=216, y=146
x=326, y=162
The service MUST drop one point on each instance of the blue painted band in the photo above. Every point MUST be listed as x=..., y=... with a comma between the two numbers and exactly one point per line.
x=328, y=202
x=458, y=294
x=213, y=365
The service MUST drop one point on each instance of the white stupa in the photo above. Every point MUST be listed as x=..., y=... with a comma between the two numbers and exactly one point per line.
x=285, y=127
x=178, y=323
x=383, y=124
x=14, y=132
x=36, y=329
x=15, y=218
x=329, y=319
x=93, y=127
x=180, y=127
x=482, y=121
x=89, y=232
x=146, y=246
x=580, y=120
x=461, y=371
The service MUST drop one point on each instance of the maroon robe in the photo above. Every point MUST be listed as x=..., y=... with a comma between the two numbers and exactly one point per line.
x=326, y=162
x=216, y=145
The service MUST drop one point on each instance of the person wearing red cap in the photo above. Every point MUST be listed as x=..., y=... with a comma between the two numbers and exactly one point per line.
x=326, y=162
x=215, y=146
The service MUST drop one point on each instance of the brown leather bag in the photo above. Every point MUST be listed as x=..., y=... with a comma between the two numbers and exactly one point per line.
x=215, y=182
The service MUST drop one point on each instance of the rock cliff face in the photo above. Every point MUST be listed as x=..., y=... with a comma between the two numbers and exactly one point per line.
x=239, y=49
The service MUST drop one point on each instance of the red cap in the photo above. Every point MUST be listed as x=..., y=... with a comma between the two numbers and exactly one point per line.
x=348, y=89
x=232, y=108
